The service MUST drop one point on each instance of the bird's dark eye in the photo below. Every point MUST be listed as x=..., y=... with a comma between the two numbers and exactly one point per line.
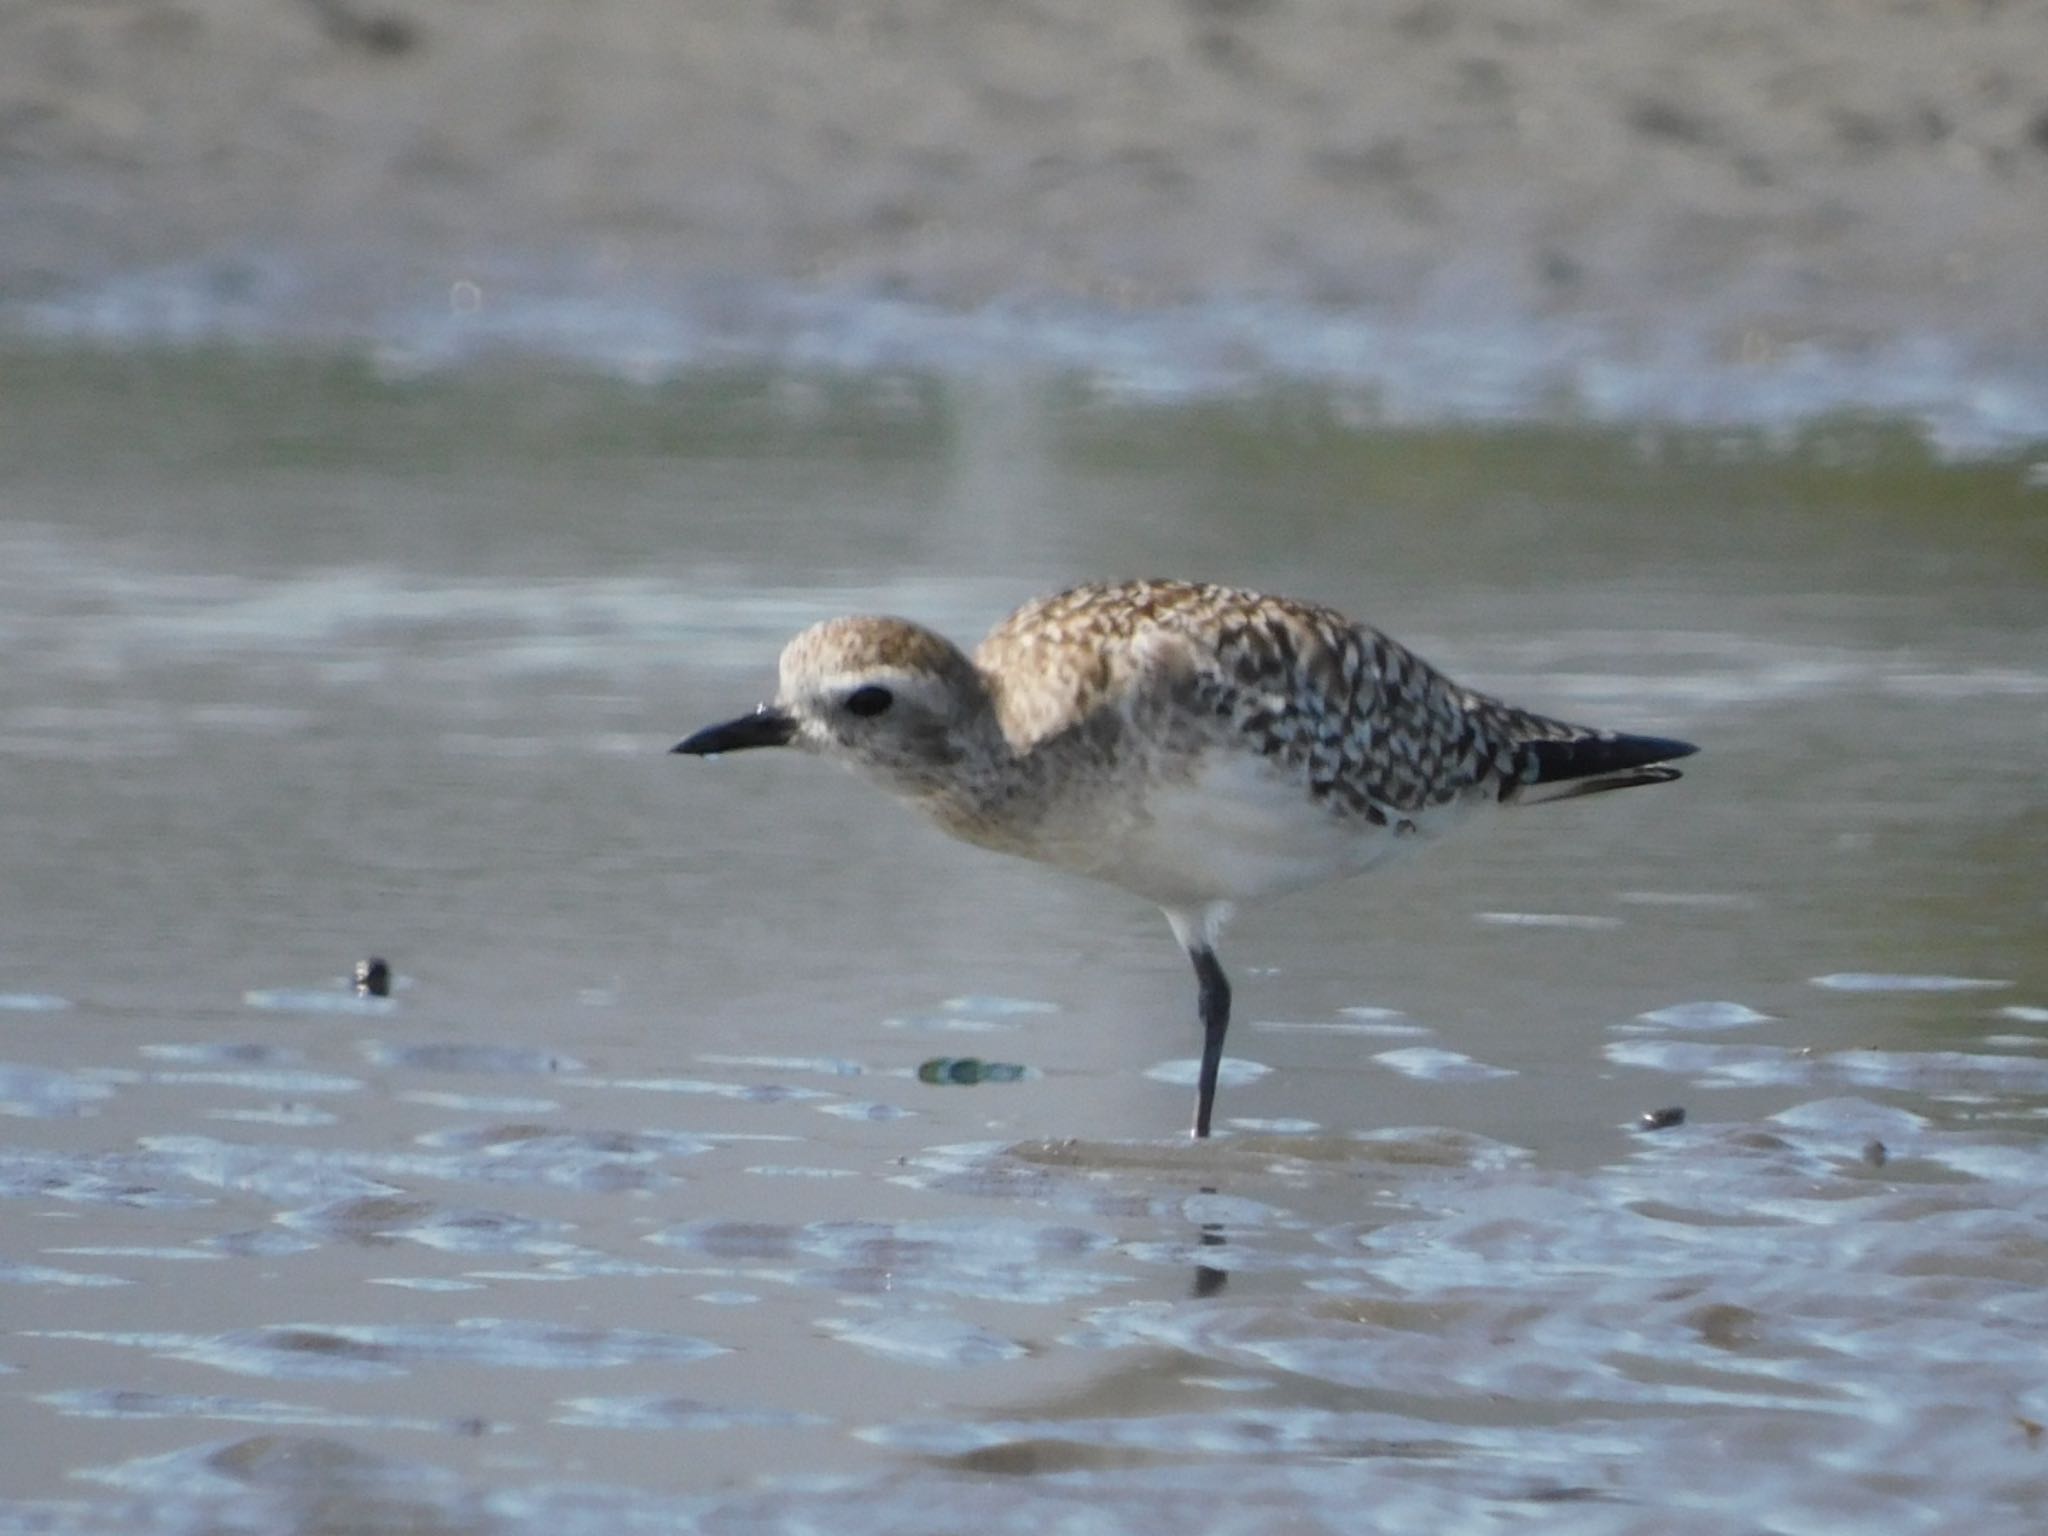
x=869, y=700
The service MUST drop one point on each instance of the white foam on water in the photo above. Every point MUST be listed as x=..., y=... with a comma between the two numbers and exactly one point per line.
x=1185, y=1072
x=1001, y=1006
x=1364, y=1027
x=33, y=1002
x=1706, y=1015
x=934, y=1339
x=1584, y=921
x=1886, y=981
x=1428, y=1064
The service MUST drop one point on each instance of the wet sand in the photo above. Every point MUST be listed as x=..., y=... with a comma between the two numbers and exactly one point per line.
x=1757, y=173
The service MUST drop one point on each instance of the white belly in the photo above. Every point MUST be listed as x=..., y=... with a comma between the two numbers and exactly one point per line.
x=1239, y=829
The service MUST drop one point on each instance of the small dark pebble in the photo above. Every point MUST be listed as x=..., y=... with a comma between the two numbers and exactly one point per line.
x=373, y=978
x=1661, y=1119
x=1875, y=1154
x=967, y=1070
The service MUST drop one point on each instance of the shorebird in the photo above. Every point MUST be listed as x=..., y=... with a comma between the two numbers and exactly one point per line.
x=1196, y=745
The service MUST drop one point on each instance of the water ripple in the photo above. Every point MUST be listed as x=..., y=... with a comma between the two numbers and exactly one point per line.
x=1428, y=1064
x=365, y=1351
x=684, y=1414
x=990, y=1258
x=1930, y=1072
x=117, y=1403
x=45, y=1092
x=463, y=1057
x=929, y=1339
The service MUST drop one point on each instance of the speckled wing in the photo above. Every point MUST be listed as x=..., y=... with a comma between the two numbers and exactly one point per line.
x=1377, y=732
x=1371, y=729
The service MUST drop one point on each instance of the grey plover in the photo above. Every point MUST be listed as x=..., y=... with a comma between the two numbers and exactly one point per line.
x=1196, y=745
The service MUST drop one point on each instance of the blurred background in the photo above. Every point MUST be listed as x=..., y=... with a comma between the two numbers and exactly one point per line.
x=415, y=417
x=1609, y=202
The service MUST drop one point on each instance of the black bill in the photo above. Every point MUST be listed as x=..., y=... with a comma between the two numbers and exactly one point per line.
x=765, y=727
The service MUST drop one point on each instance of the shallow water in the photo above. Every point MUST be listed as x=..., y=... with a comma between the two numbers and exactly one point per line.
x=631, y=1207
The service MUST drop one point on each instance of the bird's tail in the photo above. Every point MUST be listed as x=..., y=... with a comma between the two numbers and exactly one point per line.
x=1561, y=762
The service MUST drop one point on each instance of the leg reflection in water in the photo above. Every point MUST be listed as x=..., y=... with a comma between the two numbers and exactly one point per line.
x=1209, y=1280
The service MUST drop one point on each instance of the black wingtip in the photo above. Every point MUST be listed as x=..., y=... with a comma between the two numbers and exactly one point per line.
x=1588, y=757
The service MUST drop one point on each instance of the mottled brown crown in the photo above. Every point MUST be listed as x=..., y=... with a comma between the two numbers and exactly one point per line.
x=862, y=644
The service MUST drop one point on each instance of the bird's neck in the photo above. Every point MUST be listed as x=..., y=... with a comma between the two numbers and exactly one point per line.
x=977, y=784
x=984, y=799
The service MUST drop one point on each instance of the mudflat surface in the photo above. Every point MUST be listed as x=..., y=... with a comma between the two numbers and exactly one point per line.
x=639, y=1205
x=1761, y=172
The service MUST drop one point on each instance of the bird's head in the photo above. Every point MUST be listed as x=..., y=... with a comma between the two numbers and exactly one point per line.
x=882, y=694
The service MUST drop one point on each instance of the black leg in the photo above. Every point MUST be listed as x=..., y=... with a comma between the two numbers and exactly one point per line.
x=1215, y=1011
